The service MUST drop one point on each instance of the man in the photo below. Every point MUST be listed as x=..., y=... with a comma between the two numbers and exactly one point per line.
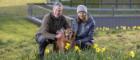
x=50, y=29
x=83, y=26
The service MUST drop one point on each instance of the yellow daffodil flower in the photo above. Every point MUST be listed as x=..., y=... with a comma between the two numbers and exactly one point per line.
x=124, y=27
x=107, y=29
x=98, y=50
x=103, y=49
x=131, y=54
x=76, y=48
x=117, y=27
x=138, y=27
x=67, y=46
x=47, y=51
x=134, y=27
x=95, y=45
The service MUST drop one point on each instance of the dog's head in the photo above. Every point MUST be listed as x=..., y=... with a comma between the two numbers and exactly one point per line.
x=69, y=34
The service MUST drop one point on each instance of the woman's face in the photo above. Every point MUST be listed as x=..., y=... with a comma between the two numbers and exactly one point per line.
x=82, y=15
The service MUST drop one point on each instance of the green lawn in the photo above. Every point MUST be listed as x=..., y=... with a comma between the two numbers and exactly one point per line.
x=16, y=32
x=17, y=38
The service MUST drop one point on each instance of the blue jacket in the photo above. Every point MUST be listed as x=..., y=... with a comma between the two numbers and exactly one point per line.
x=84, y=31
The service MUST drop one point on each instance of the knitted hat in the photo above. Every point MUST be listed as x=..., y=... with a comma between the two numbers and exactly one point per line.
x=81, y=8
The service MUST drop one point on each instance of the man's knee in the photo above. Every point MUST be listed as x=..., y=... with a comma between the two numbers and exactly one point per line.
x=40, y=39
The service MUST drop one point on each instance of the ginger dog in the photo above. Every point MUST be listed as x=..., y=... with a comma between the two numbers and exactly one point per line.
x=65, y=36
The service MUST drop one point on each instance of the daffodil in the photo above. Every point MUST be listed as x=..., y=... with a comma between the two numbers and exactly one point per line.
x=134, y=27
x=97, y=28
x=95, y=45
x=107, y=29
x=67, y=46
x=103, y=29
x=76, y=48
x=131, y=54
x=47, y=51
x=117, y=27
x=103, y=49
x=138, y=27
x=128, y=28
x=124, y=27
x=98, y=50
x=100, y=28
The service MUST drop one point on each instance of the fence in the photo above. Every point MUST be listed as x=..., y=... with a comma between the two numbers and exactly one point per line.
x=101, y=3
x=112, y=19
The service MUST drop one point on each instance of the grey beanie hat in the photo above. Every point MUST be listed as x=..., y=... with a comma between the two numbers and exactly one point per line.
x=81, y=8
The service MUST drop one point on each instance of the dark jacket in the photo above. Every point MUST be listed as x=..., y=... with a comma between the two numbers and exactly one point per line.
x=84, y=30
x=50, y=25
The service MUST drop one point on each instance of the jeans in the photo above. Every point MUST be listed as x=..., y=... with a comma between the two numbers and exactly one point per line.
x=43, y=42
x=84, y=44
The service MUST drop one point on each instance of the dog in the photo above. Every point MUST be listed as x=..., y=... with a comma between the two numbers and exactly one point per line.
x=67, y=36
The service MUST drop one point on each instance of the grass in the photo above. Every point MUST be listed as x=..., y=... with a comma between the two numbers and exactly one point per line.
x=17, y=38
x=16, y=33
x=7, y=3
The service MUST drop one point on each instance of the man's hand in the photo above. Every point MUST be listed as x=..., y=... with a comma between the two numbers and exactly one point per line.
x=59, y=34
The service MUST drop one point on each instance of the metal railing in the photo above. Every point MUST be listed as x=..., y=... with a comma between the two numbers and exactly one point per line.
x=37, y=11
x=116, y=3
x=94, y=11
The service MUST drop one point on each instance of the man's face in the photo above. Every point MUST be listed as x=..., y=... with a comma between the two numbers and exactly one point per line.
x=57, y=11
x=82, y=15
